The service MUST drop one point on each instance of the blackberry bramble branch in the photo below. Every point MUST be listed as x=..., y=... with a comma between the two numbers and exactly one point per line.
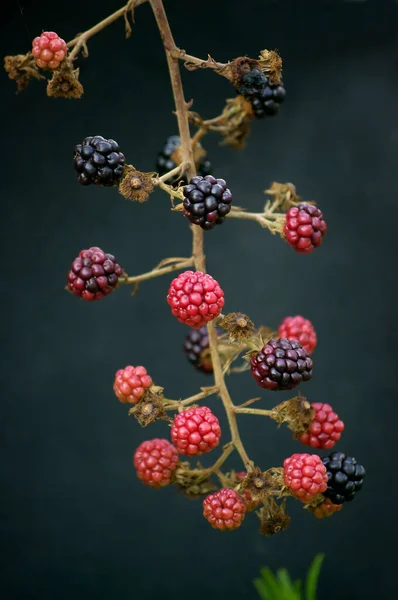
x=280, y=359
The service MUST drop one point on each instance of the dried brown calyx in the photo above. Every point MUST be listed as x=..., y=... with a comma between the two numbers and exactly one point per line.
x=22, y=68
x=239, y=326
x=297, y=413
x=65, y=82
x=273, y=517
x=284, y=195
x=149, y=409
x=270, y=63
x=135, y=185
x=193, y=483
x=264, y=484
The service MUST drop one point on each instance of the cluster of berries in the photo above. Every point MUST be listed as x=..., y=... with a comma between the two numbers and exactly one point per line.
x=264, y=96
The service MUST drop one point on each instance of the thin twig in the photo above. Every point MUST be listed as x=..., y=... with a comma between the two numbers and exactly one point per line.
x=180, y=404
x=254, y=411
x=157, y=272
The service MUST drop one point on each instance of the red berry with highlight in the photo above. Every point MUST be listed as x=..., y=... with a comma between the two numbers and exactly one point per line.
x=305, y=476
x=325, y=429
x=130, y=384
x=225, y=509
x=49, y=50
x=195, y=431
x=93, y=274
x=298, y=328
x=155, y=461
x=304, y=228
x=195, y=298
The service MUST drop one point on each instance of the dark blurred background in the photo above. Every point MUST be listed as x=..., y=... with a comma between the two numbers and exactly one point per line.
x=75, y=521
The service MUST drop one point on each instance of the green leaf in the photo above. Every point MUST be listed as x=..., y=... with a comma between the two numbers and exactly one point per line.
x=297, y=587
x=288, y=591
x=262, y=589
x=312, y=577
x=269, y=579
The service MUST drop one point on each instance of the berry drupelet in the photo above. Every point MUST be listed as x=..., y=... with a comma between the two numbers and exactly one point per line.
x=207, y=201
x=301, y=329
x=93, y=274
x=155, y=461
x=49, y=50
x=281, y=365
x=304, y=228
x=165, y=162
x=325, y=429
x=225, y=509
x=267, y=103
x=345, y=477
x=98, y=161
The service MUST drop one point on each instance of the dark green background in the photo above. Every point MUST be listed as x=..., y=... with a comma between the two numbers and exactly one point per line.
x=75, y=521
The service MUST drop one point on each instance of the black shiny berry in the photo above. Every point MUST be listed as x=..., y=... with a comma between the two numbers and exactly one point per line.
x=196, y=348
x=345, y=477
x=281, y=365
x=267, y=103
x=207, y=201
x=98, y=161
x=165, y=162
x=252, y=83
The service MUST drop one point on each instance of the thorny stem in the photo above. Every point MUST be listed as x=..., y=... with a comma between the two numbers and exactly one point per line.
x=197, y=245
x=180, y=54
x=186, y=262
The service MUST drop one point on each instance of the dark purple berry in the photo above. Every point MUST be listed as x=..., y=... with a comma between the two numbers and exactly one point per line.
x=207, y=201
x=345, y=477
x=281, y=365
x=98, y=161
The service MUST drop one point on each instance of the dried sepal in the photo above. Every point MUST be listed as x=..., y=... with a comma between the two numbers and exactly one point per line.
x=239, y=326
x=284, y=196
x=239, y=66
x=193, y=483
x=135, y=185
x=65, y=82
x=264, y=484
x=22, y=68
x=271, y=64
x=297, y=413
x=150, y=408
x=273, y=517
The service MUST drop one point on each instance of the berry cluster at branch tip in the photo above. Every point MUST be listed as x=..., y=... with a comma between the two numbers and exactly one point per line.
x=49, y=50
x=325, y=429
x=225, y=509
x=305, y=476
x=281, y=365
x=195, y=431
x=93, y=274
x=165, y=162
x=345, y=477
x=98, y=161
x=304, y=228
x=130, y=384
x=207, y=201
x=197, y=350
x=195, y=298
x=301, y=329
x=155, y=461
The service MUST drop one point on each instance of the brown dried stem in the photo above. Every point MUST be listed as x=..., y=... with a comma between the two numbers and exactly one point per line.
x=180, y=404
x=267, y=219
x=158, y=271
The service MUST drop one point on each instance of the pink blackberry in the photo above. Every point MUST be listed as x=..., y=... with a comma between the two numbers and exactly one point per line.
x=155, y=461
x=130, y=384
x=325, y=429
x=281, y=365
x=195, y=298
x=195, y=431
x=93, y=274
x=304, y=228
x=305, y=476
x=225, y=509
x=298, y=328
x=49, y=50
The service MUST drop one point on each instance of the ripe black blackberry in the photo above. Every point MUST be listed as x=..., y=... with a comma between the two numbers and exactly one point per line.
x=268, y=101
x=98, y=161
x=345, y=477
x=166, y=163
x=207, y=201
x=252, y=83
x=281, y=365
x=196, y=348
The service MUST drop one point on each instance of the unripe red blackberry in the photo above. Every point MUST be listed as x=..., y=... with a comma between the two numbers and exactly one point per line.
x=130, y=384
x=98, y=161
x=305, y=476
x=325, y=509
x=93, y=274
x=195, y=298
x=345, y=477
x=207, y=201
x=155, y=461
x=325, y=429
x=225, y=509
x=165, y=162
x=304, y=228
x=267, y=103
x=49, y=50
x=196, y=348
x=281, y=365
x=195, y=431
x=298, y=328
